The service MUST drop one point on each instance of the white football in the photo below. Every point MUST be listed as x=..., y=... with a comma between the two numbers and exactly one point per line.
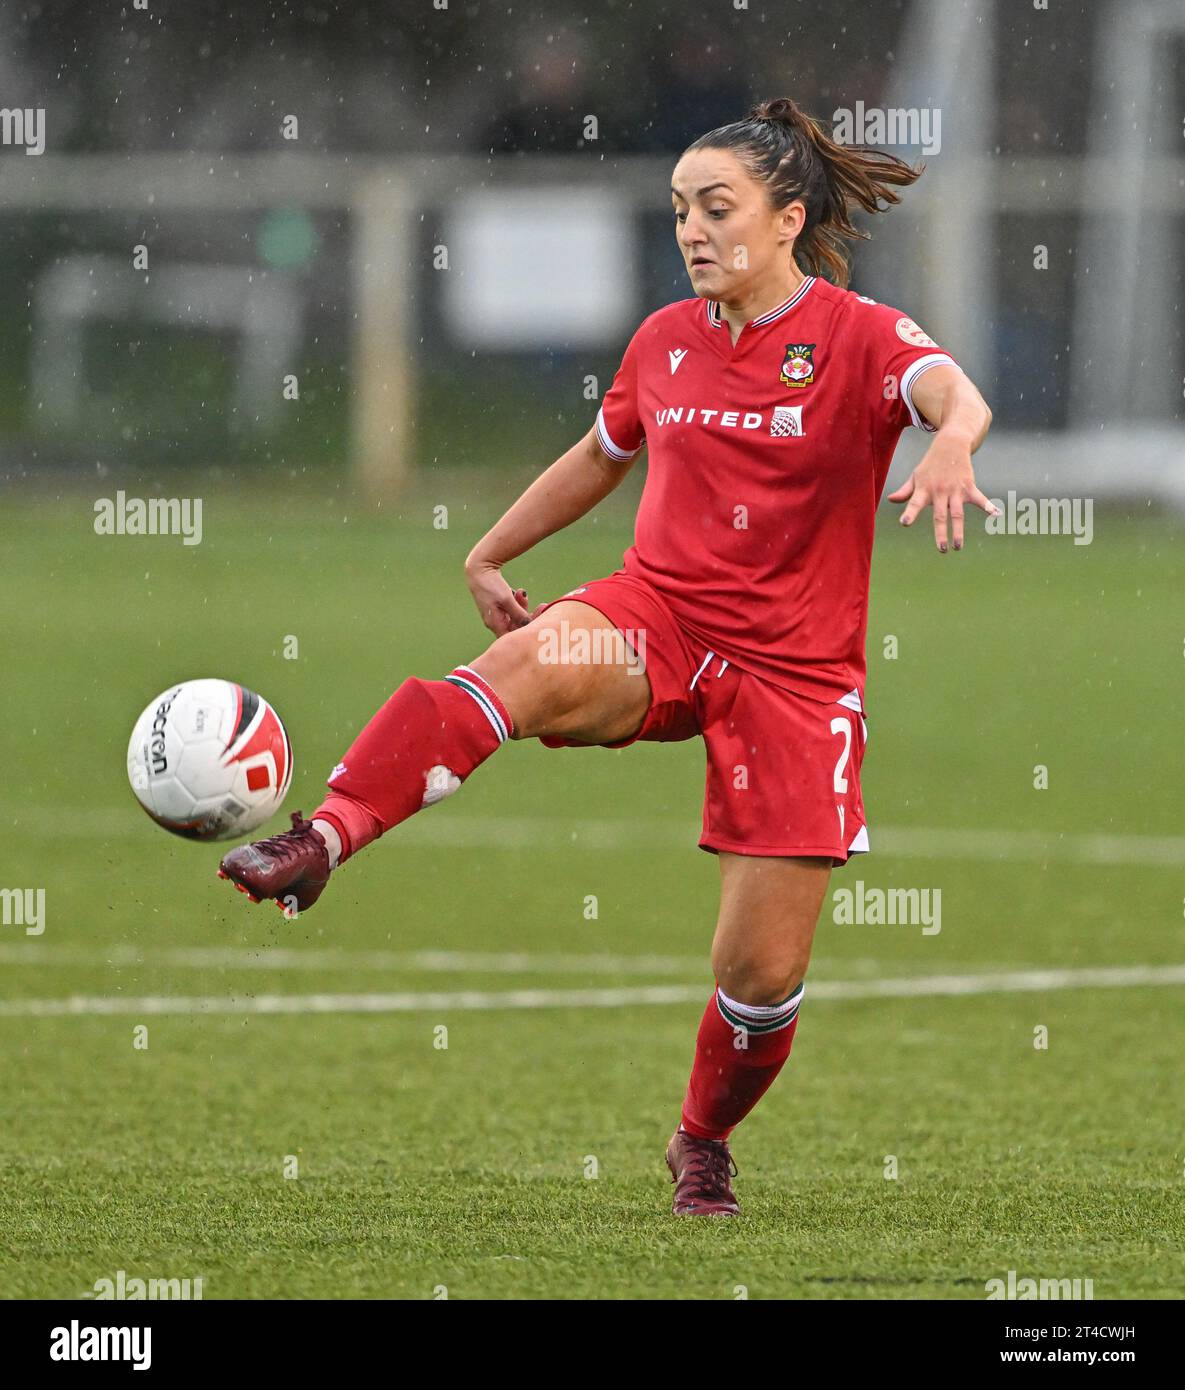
x=209, y=760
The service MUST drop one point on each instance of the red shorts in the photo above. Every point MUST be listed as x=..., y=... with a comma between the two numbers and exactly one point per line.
x=783, y=769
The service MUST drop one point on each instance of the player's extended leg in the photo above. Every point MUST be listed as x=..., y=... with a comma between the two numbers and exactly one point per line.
x=430, y=735
x=768, y=911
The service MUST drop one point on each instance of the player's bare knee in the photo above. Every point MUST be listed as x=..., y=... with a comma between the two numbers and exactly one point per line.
x=534, y=691
x=757, y=982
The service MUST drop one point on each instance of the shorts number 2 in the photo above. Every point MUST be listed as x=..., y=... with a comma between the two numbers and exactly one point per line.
x=842, y=726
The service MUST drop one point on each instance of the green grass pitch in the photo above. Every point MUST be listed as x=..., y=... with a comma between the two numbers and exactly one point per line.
x=471, y=1168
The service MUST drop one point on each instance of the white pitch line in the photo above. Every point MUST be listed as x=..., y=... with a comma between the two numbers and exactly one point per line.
x=1027, y=981
x=77, y=1004
x=344, y=958
x=1019, y=846
x=1004, y=982
x=456, y=831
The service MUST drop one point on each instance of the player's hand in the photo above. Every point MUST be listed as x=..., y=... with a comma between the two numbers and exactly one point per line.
x=944, y=480
x=502, y=608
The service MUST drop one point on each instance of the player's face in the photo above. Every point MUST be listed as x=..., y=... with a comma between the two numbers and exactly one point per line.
x=728, y=234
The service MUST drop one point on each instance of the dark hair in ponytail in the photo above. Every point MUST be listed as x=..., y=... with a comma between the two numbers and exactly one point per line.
x=791, y=153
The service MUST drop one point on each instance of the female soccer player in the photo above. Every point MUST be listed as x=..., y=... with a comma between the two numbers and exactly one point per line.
x=770, y=405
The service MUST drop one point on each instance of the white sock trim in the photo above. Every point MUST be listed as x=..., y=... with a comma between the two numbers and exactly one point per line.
x=473, y=690
x=763, y=1013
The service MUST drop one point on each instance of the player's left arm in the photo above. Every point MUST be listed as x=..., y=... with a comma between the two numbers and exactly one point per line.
x=944, y=478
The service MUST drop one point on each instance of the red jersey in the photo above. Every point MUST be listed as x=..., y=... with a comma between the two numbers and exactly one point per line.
x=766, y=461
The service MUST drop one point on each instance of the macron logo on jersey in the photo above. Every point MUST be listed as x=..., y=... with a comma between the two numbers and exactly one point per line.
x=676, y=355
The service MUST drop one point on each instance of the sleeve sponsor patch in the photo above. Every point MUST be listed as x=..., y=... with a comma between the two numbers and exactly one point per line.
x=910, y=333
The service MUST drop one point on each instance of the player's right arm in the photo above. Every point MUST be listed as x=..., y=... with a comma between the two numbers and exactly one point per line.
x=572, y=486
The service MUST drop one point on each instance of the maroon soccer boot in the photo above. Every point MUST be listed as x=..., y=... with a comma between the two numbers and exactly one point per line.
x=701, y=1170
x=293, y=868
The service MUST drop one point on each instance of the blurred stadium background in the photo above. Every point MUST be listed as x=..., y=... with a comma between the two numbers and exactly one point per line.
x=443, y=257
x=473, y=209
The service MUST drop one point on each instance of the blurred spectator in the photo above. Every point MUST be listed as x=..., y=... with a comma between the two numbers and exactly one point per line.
x=342, y=102
x=550, y=117
x=30, y=77
x=690, y=90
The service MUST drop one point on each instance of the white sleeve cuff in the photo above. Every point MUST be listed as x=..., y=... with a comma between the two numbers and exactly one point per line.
x=606, y=443
x=912, y=372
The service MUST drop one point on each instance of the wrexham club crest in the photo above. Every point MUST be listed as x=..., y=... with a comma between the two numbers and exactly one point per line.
x=799, y=367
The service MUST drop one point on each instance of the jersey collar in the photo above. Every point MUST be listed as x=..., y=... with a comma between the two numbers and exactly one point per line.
x=797, y=297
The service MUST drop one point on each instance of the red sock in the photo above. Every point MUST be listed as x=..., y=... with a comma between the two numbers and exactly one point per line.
x=739, y=1050
x=401, y=760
